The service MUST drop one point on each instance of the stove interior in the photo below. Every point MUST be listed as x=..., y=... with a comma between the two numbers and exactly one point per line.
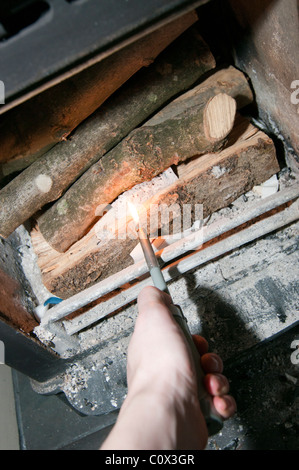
x=192, y=114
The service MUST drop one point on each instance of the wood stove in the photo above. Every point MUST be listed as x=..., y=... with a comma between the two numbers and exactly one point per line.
x=133, y=108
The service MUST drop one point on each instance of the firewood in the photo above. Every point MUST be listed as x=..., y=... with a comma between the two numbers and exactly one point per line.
x=214, y=180
x=174, y=71
x=178, y=133
x=32, y=128
x=147, y=152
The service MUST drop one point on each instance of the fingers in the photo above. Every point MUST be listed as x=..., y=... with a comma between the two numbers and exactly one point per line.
x=201, y=344
x=218, y=386
x=225, y=405
x=151, y=295
x=155, y=303
x=215, y=382
x=210, y=362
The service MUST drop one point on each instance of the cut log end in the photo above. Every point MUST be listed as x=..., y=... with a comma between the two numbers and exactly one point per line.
x=219, y=116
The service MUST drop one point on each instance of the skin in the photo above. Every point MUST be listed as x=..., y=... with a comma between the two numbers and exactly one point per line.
x=161, y=410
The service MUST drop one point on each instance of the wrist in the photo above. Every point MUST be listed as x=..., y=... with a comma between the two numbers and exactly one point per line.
x=154, y=426
x=166, y=418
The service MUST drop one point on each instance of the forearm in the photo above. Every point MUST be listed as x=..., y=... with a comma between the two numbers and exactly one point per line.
x=144, y=423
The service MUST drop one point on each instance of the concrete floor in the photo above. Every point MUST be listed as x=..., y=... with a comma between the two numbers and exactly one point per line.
x=9, y=435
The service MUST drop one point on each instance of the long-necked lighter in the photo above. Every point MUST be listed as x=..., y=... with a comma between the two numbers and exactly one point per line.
x=213, y=419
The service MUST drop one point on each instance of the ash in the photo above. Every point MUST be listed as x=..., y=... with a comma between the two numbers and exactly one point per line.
x=75, y=379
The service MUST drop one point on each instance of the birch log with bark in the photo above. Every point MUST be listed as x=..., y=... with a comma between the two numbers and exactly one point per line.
x=214, y=180
x=29, y=130
x=173, y=72
x=146, y=152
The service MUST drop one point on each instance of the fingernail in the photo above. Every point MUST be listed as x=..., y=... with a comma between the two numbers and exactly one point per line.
x=223, y=385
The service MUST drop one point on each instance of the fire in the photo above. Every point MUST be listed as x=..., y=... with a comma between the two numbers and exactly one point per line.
x=134, y=212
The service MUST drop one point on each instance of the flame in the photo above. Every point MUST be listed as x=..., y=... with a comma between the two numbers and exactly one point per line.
x=134, y=212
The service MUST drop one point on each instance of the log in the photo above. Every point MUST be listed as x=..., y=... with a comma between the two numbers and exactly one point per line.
x=31, y=129
x=174, y=71
x=175, y=135
x=147, y=152
x=214, y=180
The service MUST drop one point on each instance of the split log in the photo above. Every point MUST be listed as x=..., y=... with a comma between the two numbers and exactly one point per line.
x=174, y=71
x=30, y=130
x=175, y=135
x=214, y=180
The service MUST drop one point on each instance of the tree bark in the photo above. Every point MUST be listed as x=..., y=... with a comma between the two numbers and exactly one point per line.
x=174, y=71
x=174, y=135
x=28, y=131
x=214, y=180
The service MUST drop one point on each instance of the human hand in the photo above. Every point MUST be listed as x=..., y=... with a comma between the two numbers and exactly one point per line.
x=162, y=410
